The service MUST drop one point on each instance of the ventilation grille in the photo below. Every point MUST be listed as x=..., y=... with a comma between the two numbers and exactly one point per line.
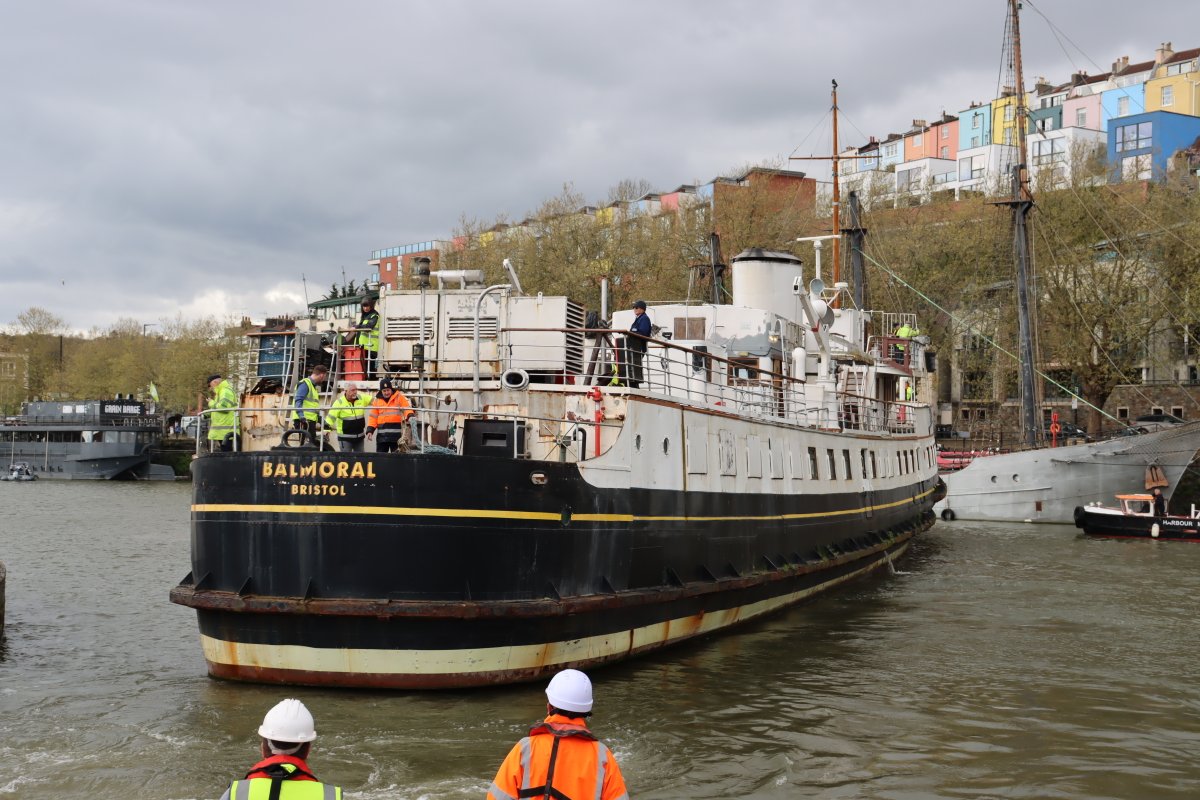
x=408, y=328
x=464, y=328
x=574, y=354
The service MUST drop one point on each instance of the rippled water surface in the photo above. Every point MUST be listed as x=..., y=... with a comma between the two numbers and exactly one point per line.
x=1002, y=661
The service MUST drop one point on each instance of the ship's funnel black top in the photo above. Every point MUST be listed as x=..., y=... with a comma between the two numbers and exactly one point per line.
x=759, y=254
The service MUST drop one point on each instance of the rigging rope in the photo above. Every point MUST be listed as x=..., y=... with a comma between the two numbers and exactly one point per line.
x=984, y=336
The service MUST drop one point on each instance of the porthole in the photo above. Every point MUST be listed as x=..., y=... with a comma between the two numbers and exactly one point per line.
x=1016, y=478
x=993, y=479
x=637, y=442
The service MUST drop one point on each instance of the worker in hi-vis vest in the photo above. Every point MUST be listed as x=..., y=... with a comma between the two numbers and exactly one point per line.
x=307, y=402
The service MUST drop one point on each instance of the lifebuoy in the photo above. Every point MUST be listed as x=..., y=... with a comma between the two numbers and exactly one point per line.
x=1055, y=428
x=948, y=515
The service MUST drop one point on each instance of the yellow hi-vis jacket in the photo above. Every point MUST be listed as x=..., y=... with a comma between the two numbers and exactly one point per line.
x=345, y=410
x=222, y=423
x=311, y=400
x=368, y=332
x=294, y=783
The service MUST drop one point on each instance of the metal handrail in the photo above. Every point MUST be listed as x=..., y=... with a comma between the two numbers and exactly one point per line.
x=420, y=413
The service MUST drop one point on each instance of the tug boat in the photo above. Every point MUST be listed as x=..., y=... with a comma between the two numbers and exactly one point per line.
x=1134, y=518
x=556, y=506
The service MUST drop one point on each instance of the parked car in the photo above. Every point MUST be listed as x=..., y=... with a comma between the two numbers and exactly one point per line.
x=1132, y=430
x=1156, y=422
x=1069, y=430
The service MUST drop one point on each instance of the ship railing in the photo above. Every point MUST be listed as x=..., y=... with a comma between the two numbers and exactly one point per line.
x=695, y=375
x=686, y=373
x=426, y=424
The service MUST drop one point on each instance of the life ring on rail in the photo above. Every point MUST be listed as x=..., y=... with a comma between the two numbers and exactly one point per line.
x=948, y=515
x=1055, y=429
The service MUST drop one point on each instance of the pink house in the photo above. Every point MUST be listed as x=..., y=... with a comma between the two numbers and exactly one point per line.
x=916, y=141
x=1082, y=107
x=943, y=138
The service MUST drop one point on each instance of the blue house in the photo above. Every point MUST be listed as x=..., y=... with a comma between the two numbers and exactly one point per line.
x=975, y=127
x=1122, y=102
x=1140, y=145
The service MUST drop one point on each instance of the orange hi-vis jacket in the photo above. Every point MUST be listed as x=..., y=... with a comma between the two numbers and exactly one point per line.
x=393, y=411
x=559, y=759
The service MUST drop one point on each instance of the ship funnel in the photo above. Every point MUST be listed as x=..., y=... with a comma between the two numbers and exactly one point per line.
x=767, y=279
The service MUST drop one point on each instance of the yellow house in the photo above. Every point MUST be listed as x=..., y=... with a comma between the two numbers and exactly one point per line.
x=1004, y=119
x=1174, y=85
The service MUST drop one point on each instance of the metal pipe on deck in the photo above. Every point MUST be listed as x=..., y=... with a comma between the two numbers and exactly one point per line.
x=475, y=389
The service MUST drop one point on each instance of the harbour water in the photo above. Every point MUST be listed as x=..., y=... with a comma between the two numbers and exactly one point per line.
x=1000, y=661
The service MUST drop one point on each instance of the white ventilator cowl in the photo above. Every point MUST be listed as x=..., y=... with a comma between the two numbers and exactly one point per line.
x=570, y=690
x=288, y=721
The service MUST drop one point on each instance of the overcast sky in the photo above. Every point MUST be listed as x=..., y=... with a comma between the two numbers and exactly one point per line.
x=161, y=157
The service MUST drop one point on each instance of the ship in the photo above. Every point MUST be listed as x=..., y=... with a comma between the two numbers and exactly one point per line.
x=1043, y=482
x=555, y=506
x=85, y=440
x=1047, y=484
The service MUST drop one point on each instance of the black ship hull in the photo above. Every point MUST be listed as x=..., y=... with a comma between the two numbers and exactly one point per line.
x=421, y=571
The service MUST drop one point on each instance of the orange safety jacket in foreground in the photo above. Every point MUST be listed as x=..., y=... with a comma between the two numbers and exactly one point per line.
x=560, y=759
x=393, y=411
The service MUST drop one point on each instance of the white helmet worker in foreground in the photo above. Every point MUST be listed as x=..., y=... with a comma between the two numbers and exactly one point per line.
x=561, y=757
x=286, y=736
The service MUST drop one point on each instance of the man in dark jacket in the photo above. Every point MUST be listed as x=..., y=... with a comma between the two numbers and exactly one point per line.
x=635, y=346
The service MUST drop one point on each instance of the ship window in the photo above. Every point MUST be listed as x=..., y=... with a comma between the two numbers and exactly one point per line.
x=832, y=465
x=862, y=454
x=874, y=468
x=846, y=463
x=743, y=369
x=812, y=463
x=637, y=442
x=1123, y=413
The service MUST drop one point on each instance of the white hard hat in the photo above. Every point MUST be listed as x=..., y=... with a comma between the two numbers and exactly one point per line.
x=288, y=721
x=570, y=690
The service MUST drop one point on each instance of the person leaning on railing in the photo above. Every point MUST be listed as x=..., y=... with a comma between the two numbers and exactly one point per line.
x=635, y=346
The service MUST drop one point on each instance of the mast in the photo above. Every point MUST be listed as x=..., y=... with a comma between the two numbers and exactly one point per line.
x=1021, y=204
x=837, y=195
x=836, y=158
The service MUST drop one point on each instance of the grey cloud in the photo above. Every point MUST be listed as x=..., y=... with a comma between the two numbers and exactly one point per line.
x=155, y=149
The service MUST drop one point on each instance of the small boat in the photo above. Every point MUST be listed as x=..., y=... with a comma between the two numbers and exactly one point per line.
x=19, y=471
x=1135, y=519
